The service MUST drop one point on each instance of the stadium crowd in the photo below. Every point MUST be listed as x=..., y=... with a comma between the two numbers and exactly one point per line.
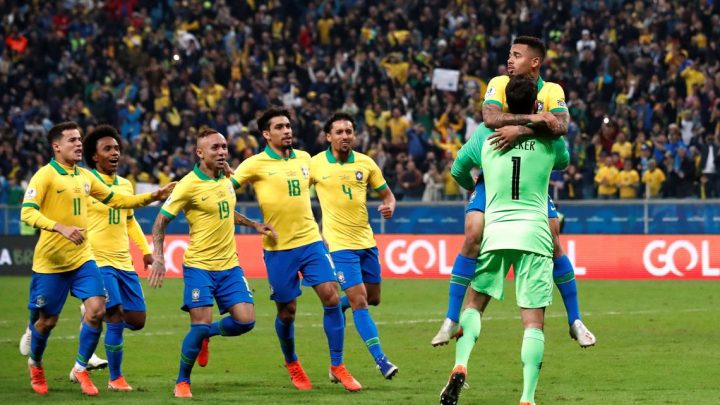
x=641, y=80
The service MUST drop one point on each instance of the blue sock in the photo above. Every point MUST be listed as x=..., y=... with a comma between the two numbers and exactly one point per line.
x=335, y=332
x=114, y=348
x=286, y=335
x=344, y=302
x=89, y=338
x=462, y=273
x=368, y=332
x=190, y=349
x=564, y=278
x=38, y=344
x=229, y=327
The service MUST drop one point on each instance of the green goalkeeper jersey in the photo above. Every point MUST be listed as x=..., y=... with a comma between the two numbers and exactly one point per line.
x=516, y=188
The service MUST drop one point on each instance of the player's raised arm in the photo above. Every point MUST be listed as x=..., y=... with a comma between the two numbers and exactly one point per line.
x=105, y=195
x=468, y=157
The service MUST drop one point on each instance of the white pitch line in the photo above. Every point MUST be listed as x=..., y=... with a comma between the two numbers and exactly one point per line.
x=403, y=322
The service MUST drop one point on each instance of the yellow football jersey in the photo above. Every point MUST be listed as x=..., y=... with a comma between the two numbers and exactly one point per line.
x=282, y=187
x=551, y=96
x=209, y=206
x=60, y=194
x=109, y=228
x=342, y=190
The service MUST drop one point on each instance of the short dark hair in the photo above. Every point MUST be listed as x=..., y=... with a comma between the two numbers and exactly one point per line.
x=207, y=131
x=338, y=116
x=533, y=43
x=56, y=132
x=92, y=138
x=520, y=94
x=264, y=120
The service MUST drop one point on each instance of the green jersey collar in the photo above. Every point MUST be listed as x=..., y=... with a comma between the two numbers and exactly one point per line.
x=60, y=169
x=114, y=182
x=331, y=157
x=541, y=83
x=204, y=176
x=274, y=154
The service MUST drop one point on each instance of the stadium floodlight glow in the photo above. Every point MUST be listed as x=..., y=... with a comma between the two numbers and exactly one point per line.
x=176, y=57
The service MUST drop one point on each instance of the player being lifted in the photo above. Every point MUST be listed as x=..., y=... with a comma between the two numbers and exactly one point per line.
x=342, y=177
x=210, y=264
x=280, y=176
x=526, y=56
x=516, y=234
x=56, y=202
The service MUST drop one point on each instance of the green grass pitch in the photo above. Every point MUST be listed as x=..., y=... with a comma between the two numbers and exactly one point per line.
x=657, y=344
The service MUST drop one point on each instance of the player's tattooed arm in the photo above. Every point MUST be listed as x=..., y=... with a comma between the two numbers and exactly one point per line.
x=265, y=229
x=157, y=274
x=494, y=118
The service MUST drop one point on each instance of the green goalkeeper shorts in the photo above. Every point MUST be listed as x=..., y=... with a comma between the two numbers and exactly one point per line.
x=533, y=276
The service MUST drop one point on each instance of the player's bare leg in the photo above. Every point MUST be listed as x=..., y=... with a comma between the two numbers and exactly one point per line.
x=463, y=269
x=564, y=278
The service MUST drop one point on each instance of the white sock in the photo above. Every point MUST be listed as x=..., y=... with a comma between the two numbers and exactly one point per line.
x=79, y=367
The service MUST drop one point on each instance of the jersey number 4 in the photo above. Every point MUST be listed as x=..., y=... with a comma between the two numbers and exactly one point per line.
x=515, y=192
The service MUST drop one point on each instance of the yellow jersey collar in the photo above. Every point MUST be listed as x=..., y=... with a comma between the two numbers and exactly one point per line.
x=103, y=177
x=331, y=157
x=61, y=169
x=274, y=154
x=204, y=176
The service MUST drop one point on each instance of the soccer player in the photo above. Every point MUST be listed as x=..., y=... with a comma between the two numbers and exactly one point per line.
x=516, y=234
x=342, y=177
x=108, y=235
x=210, y=264
x=526, y=56
x=280, y=176
x=56, y=202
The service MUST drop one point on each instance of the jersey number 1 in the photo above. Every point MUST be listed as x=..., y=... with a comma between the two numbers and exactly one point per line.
x=516, y=178
x=223, y=209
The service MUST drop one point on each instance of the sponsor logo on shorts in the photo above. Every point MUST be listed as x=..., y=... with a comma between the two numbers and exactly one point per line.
x=107, y=295
x=195, y=295
x=341, y=277
x=40, y=301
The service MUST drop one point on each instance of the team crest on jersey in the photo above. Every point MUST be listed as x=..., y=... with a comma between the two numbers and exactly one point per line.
x=195, y=295
x=87, y=188
x=540, y=106
x=40, y=301
x=30, y=194
x=341, y=277
x=358, y=175
x=490, y=92
x=305, y=172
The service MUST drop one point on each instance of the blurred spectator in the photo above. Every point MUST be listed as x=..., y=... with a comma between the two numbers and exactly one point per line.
x=433, y=185
x=411, y=182
x=606, y=179
x=628, y=180
x=573, y=184
x=638, y=73
x=653, y=178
